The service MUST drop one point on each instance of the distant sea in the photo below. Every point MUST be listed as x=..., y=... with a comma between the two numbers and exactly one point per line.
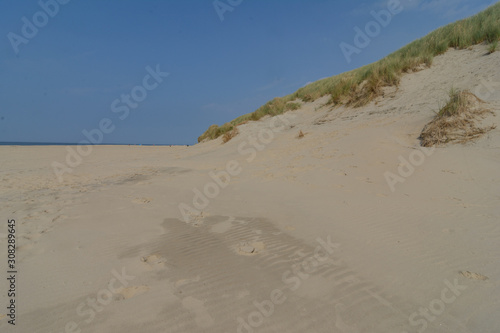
x=75, y=144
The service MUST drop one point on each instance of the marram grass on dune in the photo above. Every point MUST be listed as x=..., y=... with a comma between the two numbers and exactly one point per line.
x=360, y=86
x=458, y=121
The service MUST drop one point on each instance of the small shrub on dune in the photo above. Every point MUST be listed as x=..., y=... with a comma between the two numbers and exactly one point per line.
x=307, y=98
x=493, y=47
x=457, y=121
x=292, y=106
x=229, y=135
x=243, y=122
x=210, y=134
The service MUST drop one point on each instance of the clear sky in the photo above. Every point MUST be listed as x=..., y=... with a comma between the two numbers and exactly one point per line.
x=65, y=68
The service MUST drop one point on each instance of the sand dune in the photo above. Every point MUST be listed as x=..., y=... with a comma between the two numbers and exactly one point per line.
x=270, y=232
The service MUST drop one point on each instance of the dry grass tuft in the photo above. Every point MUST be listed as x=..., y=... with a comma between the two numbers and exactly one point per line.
x=229, y=135
x=307, y=98
x=243, y=122
x=493, y=47
x=291, y=106
x=457, y=121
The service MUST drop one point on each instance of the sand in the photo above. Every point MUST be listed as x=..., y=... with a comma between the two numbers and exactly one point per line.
x=300, y=235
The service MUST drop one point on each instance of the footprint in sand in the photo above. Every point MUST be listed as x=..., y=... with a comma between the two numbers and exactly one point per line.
x=196, y=220
x=133, y=291
x=142, y=201
x=202, y=317
x=154, y=261
x=474, y=276
x=250, y=248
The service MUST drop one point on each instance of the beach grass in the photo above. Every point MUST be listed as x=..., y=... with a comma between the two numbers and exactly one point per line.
x=458, y=120
x=360, y=86
x=493, y=47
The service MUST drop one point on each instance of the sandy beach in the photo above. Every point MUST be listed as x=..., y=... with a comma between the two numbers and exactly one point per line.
x=350, y=227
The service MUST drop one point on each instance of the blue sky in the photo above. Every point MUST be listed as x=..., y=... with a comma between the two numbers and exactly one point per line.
x=63, y=79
